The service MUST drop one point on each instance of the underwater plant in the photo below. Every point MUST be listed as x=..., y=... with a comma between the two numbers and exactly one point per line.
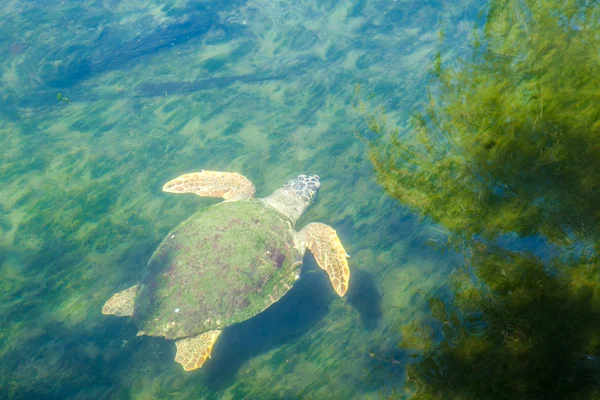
x=510, y=139
x=62, y=98
x=523, y=329
x=508, y=143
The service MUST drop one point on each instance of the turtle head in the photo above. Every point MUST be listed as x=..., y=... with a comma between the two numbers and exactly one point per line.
x=295, y=196
x=303, y=188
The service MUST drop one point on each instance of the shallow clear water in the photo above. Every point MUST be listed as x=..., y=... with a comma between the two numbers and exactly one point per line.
x=156, y=89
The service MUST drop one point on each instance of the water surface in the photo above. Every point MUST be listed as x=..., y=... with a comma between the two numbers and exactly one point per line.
x=266, y=88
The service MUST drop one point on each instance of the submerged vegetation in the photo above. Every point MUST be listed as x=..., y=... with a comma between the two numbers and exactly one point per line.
x=510, y=140
x=508, y=144
x=525, y=330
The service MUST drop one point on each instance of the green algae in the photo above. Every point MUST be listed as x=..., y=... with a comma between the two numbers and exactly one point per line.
x=524, y=328
x=505, y=149
x=508, y=141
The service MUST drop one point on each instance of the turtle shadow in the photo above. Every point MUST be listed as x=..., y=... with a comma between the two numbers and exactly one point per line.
x=289, y=318
x=364, y=296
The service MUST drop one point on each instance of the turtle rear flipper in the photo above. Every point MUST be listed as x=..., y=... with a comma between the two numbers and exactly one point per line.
x=121, y=303
x=193, y=352
x=323, y=242
x=228, y=185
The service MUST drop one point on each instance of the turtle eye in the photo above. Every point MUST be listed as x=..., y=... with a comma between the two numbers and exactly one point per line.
x=313, y=186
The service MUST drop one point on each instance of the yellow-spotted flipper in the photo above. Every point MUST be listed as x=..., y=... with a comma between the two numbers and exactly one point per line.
x=228, y=185
x=121, y=303
x=193, y=352
x=323, y=242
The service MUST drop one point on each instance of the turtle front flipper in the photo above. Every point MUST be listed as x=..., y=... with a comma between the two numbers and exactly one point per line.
x=228, y=185
x=121, y=303
x=193, y=352
x=324, y=244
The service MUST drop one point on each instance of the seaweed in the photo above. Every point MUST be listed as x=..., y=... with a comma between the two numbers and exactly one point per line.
x=522, y=328
x=509, y=141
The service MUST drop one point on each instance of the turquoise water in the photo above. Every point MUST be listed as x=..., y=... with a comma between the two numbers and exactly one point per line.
x=152, y=90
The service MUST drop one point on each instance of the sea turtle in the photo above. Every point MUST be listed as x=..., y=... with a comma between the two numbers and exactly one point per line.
x=228, y=262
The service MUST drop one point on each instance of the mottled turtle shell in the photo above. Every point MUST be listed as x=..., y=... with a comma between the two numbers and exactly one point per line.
x=223, y=265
